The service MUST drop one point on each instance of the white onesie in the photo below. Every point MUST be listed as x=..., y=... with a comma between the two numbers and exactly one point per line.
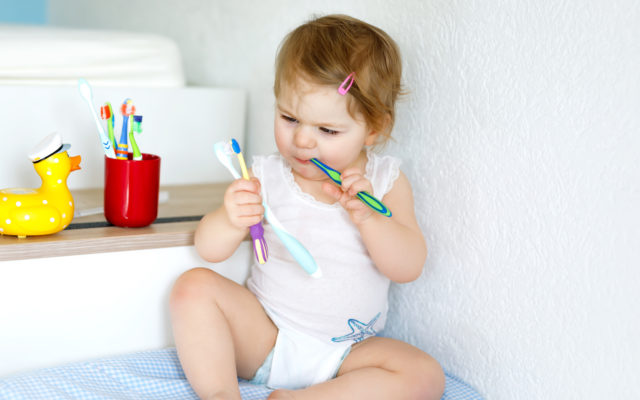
x=318, y=319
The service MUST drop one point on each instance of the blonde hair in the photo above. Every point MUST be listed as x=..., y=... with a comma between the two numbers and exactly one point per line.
x=326, y=50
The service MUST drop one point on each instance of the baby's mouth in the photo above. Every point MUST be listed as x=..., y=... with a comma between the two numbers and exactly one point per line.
x=301, y=161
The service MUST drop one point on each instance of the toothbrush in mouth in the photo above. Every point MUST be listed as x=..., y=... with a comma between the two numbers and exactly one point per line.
x=365, y=197
x=256, y=231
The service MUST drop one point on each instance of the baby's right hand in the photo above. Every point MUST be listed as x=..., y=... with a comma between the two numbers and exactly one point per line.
x=243, y=203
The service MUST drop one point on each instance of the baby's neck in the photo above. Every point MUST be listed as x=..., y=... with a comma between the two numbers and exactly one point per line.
x=314, y=188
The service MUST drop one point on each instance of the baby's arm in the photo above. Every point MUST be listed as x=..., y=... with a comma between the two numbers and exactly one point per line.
x=221, y=231
x=396, y=245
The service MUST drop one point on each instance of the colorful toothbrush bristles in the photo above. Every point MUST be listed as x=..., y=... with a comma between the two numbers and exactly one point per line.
x=137, y=123
x=105, y=112
x=235, y=146
x=136, y=128
x=223, y=154
x=127, y=109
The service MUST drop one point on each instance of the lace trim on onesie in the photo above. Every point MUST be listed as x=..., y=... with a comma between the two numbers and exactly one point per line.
x=295, y=188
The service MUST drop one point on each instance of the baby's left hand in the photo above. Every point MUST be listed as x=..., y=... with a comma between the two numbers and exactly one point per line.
x=353, y=181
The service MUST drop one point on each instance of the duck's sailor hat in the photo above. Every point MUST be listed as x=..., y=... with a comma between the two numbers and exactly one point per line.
x=50, y=145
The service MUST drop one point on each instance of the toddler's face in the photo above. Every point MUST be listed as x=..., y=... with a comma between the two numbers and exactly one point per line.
x=312, y=121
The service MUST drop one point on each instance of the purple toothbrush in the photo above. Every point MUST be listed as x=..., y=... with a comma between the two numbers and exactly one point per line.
x=256, y=231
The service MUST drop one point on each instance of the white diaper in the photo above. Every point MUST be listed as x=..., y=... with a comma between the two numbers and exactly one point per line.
x=301, y=360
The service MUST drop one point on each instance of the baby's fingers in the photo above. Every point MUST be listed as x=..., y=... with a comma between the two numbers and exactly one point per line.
x=242, y=191
x=241, y=198
x=357, y=210
x=356, y=183
x=332, y=190
x=252, y=185
x=243, y=202
x=249, y=215
x=245, y=215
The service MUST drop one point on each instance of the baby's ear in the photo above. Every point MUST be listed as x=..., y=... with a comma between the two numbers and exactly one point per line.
x=373, y=135
x=370, y=140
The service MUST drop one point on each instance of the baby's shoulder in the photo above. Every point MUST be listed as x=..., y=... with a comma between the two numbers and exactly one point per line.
x=383, y=171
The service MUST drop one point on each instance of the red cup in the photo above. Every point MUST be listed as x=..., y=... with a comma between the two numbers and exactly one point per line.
x=131, y=190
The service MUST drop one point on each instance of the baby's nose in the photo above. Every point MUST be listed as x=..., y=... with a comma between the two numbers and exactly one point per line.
x=304, y=138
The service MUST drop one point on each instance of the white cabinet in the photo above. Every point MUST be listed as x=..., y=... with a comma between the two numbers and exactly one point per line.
x=72, y=308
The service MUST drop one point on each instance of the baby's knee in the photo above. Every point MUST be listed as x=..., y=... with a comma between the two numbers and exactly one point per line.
x=193, y=285
x=426, y=377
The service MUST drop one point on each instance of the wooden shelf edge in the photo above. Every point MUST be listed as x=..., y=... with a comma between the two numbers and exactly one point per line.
x=168, y=235
x=183, y=201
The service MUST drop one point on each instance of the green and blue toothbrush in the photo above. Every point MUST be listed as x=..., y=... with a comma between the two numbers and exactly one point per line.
x=366, y=198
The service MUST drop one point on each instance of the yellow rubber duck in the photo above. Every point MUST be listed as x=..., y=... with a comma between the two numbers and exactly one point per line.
x=49, y=209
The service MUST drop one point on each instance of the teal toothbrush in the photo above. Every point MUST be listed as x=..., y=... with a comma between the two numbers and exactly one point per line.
x=295, y=248
x=366, y=198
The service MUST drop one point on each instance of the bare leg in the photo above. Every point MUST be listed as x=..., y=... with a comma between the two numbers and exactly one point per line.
x=379, y=368
x=221, y=332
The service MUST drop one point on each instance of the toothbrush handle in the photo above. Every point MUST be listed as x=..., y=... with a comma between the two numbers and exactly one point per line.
x=366, y=198
x=112, y=136
x=259, y=244
x=106, y=143
x=374, y=203
x=134, y=146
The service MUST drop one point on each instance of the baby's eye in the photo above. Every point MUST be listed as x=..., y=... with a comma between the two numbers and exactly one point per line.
x=288, y=118
x=328, y=131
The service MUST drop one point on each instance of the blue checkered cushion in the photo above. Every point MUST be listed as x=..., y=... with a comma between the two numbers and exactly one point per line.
x=146, y=375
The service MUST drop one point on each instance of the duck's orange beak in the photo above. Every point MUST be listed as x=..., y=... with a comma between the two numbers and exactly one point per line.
x=75, y=162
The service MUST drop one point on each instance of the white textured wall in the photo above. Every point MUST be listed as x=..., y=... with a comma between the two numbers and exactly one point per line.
x=521, y=137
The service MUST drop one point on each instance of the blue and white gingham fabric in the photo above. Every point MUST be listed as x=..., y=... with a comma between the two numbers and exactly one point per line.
x=140, y=376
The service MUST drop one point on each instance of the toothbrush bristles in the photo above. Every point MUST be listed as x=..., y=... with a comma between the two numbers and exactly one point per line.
x=235, y=146
x=105, y=112
x=127, y=108
x=224, y=147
